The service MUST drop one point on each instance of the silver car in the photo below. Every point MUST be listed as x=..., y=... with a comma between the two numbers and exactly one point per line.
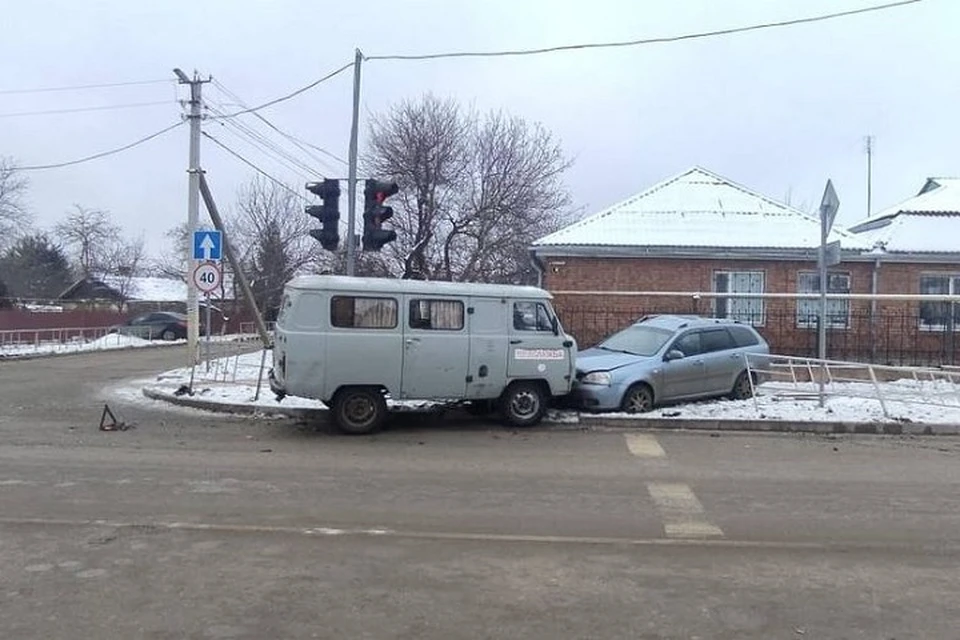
x=663, y=359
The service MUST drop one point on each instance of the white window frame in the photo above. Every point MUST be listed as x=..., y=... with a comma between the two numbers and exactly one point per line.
x=808, y=309
x=953, y=289
x=753, y=318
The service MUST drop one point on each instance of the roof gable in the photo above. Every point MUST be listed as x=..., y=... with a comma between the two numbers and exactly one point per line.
x=697, y=208
x=929, y=222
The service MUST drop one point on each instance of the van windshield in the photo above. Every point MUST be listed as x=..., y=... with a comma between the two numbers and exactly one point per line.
x=284, y=309
x=639, y=340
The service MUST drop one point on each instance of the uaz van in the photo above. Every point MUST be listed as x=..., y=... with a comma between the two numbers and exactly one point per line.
x=353, y=342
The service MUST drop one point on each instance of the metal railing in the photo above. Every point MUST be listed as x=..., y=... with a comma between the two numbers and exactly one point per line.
x=800, y=378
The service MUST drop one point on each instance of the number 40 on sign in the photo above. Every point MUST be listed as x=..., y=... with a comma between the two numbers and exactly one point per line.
x=207, y=276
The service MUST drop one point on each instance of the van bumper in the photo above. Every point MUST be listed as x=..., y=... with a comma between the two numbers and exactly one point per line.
x=276, y=386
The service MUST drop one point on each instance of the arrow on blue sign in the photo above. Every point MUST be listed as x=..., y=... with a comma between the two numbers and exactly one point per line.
x=207, y=245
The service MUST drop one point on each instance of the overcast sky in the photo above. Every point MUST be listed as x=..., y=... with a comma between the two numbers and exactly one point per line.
x=779, y=111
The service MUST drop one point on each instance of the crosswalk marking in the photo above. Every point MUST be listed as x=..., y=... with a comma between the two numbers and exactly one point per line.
x=644, y=445
x=682, y=513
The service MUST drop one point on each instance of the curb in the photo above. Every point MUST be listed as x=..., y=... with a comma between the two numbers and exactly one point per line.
x=640, y=424
x=223, y=407
x=776, y=426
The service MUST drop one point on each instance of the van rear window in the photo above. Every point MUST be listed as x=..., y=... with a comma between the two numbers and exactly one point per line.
x=436, y=314
x=363, y=313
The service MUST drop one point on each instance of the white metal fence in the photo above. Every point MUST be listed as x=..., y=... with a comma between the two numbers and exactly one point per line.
x=815, y=379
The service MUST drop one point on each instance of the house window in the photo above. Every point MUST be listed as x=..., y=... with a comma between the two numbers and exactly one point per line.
x=938, y=316
x=808, y=309
x=363, y=313
x=746, y=310
x=436, y=314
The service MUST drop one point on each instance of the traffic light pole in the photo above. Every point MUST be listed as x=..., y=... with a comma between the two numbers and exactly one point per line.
x=352, y=179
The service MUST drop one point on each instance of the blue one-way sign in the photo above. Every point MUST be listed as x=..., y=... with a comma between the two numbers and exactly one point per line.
x=207, y=245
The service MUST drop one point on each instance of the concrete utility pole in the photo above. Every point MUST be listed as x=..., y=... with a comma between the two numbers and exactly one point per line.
x=869, y=149
x=193, y=208
x=352, y=178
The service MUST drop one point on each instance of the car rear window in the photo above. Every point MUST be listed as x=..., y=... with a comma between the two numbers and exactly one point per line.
x=743, y=336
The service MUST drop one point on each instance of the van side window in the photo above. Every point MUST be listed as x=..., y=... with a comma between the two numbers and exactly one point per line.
x=363, y=313
x=436, y=314
x=531, y=316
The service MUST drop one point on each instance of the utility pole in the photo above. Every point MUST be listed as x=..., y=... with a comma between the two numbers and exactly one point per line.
x=193, y=207
x=352, y=178
x=869, y=148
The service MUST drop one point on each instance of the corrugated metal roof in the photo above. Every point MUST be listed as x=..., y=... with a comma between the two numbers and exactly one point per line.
x=701, y=209
x=926, y=223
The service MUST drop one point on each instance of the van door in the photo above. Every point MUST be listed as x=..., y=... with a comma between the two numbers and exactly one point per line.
x=436, y=347
x=487, y=373
x=364, y=344
x=535, y=352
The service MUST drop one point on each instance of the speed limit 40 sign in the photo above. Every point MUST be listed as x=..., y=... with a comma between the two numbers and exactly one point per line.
x=207, y=276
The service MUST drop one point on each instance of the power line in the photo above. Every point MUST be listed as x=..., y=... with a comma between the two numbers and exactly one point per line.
x=299, y=143
x=267, y=146
x=633, y=43
x=253, y=166
x=79, y=87
x=81, y=109
x=102, y=154
x=292, y=95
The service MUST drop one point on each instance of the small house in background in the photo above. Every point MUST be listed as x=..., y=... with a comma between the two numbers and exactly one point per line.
x=681, y=244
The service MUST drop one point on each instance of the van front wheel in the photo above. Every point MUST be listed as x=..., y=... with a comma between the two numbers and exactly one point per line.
x=523, y=404
x=359, y=410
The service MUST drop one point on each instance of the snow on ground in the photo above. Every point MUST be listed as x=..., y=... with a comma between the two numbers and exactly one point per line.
x=233, y=380
x=104, y=343
x=109, y=341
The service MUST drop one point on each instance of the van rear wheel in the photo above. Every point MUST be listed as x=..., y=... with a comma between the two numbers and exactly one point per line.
x=359, y=410
x=523, y=404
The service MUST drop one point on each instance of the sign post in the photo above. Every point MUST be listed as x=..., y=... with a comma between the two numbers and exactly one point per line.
x=829, y=205
x=207, y=277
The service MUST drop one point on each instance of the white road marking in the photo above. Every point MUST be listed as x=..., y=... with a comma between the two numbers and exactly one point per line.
x=644, y=445
x=682, y=513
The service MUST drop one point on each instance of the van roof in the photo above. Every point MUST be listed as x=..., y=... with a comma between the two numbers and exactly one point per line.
x=424, y=287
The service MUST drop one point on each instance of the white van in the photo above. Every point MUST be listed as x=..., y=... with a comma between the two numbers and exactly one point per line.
x=352, y=342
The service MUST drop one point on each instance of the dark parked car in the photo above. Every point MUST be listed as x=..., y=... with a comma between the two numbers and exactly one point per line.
x=162, y=325
x=664, y=359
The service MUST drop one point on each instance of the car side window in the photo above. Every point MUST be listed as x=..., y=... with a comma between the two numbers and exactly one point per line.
x=688, y=343
x=716, y=340
x=141, y=320
x=531, y=316
x=743, y=336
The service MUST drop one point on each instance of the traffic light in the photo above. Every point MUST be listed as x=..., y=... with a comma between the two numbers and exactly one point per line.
x=374, y=213
x=328, y=213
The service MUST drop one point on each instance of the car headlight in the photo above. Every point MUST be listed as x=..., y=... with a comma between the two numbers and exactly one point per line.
x=597, y=377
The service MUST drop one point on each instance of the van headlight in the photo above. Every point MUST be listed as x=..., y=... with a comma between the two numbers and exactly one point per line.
x=597, y=377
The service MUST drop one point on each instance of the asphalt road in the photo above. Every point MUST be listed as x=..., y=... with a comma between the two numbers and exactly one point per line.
x=204, y=526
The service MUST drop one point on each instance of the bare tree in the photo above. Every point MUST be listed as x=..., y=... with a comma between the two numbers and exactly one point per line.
x=271, y=235
x=475, y=191
x=14, y=215
x=91, y=235
x=121, y=263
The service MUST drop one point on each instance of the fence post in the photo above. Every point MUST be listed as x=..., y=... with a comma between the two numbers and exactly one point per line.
x=876, y=387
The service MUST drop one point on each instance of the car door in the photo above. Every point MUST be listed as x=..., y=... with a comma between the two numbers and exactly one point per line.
x=722, y=358
x=684, y=377
x=436, y=348
x=487, y=372
x=536, y=350
x=138, y=327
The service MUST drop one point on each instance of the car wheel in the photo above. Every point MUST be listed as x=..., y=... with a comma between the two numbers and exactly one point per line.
x=168, y=335
x=637, y=399
x=742, y=388
x=359, y=410
x=523, y=404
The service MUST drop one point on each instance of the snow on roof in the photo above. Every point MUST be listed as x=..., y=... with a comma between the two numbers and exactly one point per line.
x=156, y=289
x=929, y=222
x=701, y=209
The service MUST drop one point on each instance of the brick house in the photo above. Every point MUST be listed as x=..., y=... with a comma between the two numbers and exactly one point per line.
x=700, y=233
